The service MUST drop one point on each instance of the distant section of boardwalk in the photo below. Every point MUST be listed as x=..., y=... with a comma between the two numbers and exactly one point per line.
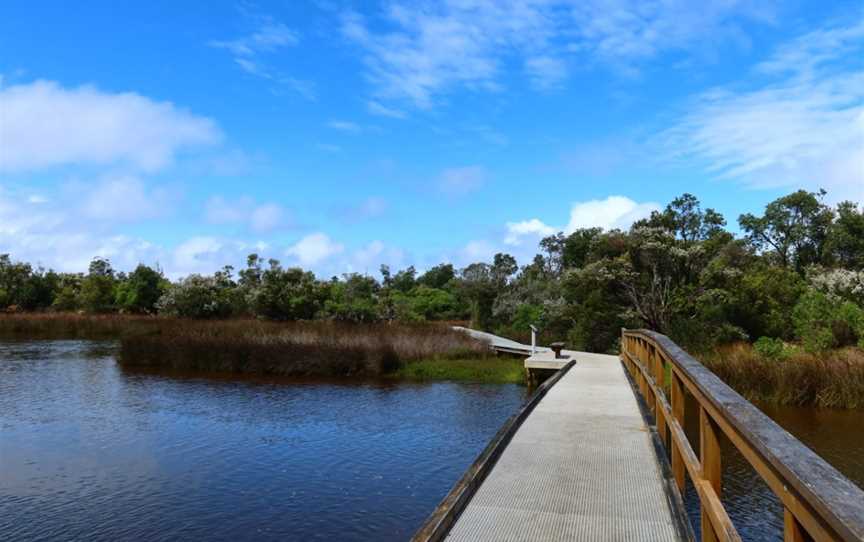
x=582, y=466
x=500, y=343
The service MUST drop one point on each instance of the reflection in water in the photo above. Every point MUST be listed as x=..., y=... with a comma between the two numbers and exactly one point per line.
x=90, y=452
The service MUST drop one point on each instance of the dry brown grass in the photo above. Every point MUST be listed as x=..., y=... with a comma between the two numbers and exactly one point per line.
x=831, y=379
x=253, y=346
x=297, y=349
x=66, y=325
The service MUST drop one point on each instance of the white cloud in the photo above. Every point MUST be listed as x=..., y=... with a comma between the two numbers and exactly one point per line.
x=53, y=234
x=345, y=126
x=462, y=180
x=533, y=227
x=609, y=213
x=803, y=127
x=123, y=199
x=435, y=48
x=259, y=218
x=314, y=248
x=612, y=212
x=46, y=125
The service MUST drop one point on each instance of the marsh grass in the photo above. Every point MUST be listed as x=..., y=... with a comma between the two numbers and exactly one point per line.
x=495, y=370
x=832, y=379
x=54, y=325
x=294, y=349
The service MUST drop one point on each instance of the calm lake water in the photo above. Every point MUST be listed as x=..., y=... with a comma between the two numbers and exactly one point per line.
x=89, y=451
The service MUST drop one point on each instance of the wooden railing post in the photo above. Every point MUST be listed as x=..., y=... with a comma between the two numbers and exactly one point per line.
x=792, y=529
x=659, y=378
x=678, y=413
x=709, y=452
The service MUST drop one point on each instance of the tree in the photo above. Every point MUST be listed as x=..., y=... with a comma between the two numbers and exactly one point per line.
x=97, y=288
x=477, y=286
x=198, y=296
x=404, y=280
x=438, y=277
x=794, y=229
x=353, y=299
x=141, y=290
x=846, y=238
x=287, y=294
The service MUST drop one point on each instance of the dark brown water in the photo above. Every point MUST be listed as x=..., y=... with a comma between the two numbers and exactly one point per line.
x=90, y=452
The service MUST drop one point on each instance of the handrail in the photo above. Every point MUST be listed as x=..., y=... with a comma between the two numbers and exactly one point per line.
x=819, y=502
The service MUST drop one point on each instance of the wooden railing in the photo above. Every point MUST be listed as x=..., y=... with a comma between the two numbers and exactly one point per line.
x=819, y=503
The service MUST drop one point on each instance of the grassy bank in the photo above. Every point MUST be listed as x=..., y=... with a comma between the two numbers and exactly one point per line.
x=492, y=370
x=833, y=379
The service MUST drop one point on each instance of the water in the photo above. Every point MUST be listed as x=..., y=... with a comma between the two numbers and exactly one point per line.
x=89, y=451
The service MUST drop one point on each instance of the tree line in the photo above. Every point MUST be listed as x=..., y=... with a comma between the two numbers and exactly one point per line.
x=796, y=273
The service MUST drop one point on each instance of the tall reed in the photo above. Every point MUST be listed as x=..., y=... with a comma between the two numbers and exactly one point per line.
x=831, y=379
x=297, y=349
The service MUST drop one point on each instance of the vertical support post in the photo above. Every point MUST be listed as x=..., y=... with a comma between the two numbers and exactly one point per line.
x=533, y=340
x=793, y=531
x=709, y=451
x=659, y=378
x=678, y=412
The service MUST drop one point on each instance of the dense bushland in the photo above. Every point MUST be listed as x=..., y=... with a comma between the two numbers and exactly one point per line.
x=795, y=274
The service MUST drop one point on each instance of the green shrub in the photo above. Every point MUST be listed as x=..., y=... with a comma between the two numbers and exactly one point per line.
x=823, y=322
x=769, y=347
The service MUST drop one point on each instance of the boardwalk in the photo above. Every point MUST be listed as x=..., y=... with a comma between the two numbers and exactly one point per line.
x=581, y=467
x=578, y=461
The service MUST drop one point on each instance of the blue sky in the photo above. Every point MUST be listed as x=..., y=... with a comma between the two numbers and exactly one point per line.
x=343, y=135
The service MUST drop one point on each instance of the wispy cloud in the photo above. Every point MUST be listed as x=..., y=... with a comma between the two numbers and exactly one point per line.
x=259, y=218
x=369, y=208
x=382, y=111
x=801, y=126
x=546, y=72
x=460, y=181
x=432, y=50
x=270, y=36
x=345, y=126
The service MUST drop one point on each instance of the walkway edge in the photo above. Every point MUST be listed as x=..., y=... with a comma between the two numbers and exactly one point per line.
x=438, y=524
